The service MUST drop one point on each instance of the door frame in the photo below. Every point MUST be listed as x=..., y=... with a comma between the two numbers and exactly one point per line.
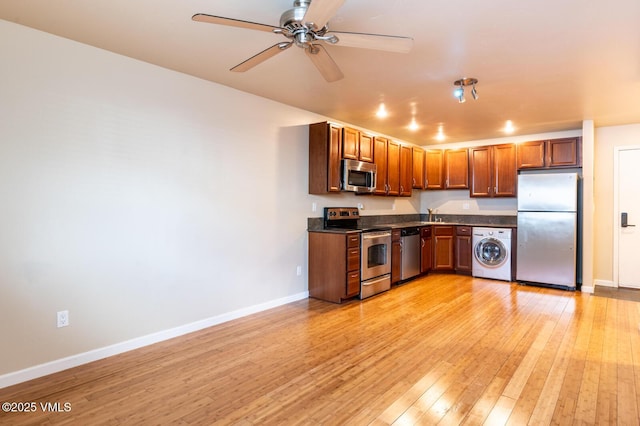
x=616, y=211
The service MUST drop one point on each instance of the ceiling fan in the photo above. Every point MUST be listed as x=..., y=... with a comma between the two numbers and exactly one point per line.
x=305, y=25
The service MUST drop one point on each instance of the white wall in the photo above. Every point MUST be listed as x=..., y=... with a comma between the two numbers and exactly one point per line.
x=606, y=140
x=141, y=200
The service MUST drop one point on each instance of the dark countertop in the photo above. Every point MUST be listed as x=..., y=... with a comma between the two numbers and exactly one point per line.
x=412, y=224
x=316, y=224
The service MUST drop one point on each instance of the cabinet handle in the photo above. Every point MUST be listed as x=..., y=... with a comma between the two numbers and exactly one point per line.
x=495, y=189
x=426, y=183
x=488, y=190
x=414, y=181
x=401, y=188
x=423, y=242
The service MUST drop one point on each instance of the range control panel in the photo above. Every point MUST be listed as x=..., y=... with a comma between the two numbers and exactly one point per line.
x=341, y=213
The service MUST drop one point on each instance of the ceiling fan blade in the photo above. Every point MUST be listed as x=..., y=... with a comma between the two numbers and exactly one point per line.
x=373, y=41
x=261, y=57
x=201, y=17
x=325, y=64
x=320, y=11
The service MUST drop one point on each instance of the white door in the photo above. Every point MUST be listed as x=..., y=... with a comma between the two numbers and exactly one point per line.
x=629, y=206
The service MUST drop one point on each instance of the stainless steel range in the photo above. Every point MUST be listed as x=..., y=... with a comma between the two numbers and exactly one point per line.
x=375, y=249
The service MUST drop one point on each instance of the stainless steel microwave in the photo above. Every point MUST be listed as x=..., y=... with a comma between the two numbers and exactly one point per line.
x=358, y=176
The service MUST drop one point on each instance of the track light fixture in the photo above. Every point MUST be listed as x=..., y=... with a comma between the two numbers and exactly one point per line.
x=459, y=90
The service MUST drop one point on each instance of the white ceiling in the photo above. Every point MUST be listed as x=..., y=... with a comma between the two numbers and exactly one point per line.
x=546, y=64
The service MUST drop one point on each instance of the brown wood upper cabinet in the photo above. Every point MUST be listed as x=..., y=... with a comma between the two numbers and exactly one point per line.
x=434, y=169
x=380, y=160
x=564, y=152
x=393, y=165
x=325, y=153
x=357, y=145
x=419, y=179
x=393, y=168
x=493, y=171
x=456, y=169
x=406, y=171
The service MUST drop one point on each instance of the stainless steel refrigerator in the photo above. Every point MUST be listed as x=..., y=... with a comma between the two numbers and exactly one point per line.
x=548, y=229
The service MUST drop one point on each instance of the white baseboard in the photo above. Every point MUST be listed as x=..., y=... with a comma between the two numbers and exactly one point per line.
x=45, y=369
x=587, y=289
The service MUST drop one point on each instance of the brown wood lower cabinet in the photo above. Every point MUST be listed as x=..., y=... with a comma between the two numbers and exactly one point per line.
x=443, y=253
x=334, y=265
x=463, y=250
x=396, y=256
x=426, y=254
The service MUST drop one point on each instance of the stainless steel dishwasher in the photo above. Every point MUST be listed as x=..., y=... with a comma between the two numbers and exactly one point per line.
x=410, y=243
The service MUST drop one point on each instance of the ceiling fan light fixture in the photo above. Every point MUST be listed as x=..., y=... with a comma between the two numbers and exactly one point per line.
x=474, y=93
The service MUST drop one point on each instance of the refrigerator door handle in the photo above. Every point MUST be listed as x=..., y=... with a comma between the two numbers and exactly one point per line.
x=623, y=220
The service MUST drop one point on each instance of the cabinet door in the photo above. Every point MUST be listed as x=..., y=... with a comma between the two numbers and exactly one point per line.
x=480, y=172
x=505, y=174
x=393, y=168
x=443, y=248
x=463, y=249
x=350, y=143
x=463, y=254
x=335, y=159
x=365, y=152
x=406, y=171
x=530, y=155
x=456, y=169
x=434, y=169
x=563, y=152
x=353, y=266
x=426, y=254
x=380, y=160
x=325, y=155
x=396, y=261
x=418, y=168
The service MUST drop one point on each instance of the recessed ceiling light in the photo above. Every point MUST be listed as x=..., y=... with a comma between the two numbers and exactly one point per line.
x=440, y=136
x=382, y=111
x=413, y=126
x=508, y=127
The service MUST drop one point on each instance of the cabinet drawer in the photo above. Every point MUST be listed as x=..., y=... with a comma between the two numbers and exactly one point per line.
x=425, y=232
x=353, y=259
x=353, y=240
x=463, y=230
x=443, y=230
x=353, y=283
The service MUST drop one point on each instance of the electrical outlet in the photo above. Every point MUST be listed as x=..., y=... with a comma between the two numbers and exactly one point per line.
x=299, y=270
x=63, y=318
x=465, y=206
x=314, y=206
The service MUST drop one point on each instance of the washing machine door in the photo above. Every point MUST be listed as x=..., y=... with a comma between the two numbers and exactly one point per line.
x=491, y=252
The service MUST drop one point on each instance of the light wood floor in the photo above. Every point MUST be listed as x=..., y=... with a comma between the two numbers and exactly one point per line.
x=443, y=349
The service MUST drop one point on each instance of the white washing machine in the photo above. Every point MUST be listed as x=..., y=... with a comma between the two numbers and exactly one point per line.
x=492, y=253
